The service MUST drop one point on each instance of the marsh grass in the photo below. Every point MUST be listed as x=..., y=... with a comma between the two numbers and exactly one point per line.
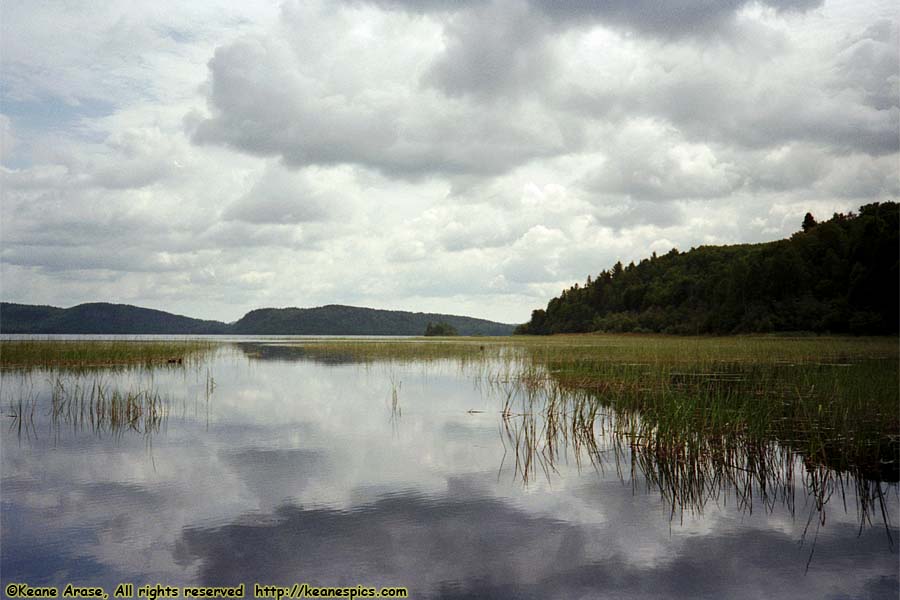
x=694, y=412
x=810, y=392
x=751, y=418
x=89, y=404
x=635, y=349
x=841, y=417
x=544, y=426
x=24, y=354
x=94, y=404
x=22, y=403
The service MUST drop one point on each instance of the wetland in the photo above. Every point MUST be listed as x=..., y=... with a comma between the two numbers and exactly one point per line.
x=555, y=467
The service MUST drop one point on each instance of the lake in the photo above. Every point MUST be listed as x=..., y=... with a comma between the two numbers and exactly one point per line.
x=265, y=463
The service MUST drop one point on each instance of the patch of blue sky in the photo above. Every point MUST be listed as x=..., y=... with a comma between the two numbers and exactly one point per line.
x=50, y=113
x=49, y=116
x=179, y=36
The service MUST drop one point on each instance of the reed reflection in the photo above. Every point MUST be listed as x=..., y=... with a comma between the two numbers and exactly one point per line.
x=545, y=423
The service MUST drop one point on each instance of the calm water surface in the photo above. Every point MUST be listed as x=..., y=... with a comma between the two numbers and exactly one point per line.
x=272, y=467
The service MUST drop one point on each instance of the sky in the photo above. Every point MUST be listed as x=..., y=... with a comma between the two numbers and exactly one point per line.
x=461, y=156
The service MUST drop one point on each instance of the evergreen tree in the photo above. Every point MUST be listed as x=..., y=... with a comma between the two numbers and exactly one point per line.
x=836, y=276
x=809, y=222
x=440, y=329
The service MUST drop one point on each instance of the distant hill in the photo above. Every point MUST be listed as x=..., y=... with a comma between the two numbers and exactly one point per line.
x=25, y=318
x=100, y=318
x=104, y=318
x=837, y=276
x=335, y=319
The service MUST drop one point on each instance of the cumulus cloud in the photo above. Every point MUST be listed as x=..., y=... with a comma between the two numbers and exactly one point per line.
x=281, y=197
x=668, y=19
x=729, y=97
x=646, y=161
x=268, y=97
x=871, y=64
x=475, y=155
x=500, y=48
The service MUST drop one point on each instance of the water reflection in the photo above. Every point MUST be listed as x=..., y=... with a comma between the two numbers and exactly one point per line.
x=294, y=353
x=455, y=545
x=281, y=470
x=546, y=425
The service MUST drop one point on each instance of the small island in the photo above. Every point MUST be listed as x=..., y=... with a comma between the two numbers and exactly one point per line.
x=441, y=328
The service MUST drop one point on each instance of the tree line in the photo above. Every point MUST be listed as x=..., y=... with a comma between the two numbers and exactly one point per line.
x=838, y=276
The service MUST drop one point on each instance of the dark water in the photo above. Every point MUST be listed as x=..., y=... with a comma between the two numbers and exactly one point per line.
x=273, y=467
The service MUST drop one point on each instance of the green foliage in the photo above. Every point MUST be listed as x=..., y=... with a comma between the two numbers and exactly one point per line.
x=681, y=401
x=440, y=329
x=352, y=320
x=103, y=318
x=100, y=318
x=97, y=353
x=836, y=276
x=809, y=221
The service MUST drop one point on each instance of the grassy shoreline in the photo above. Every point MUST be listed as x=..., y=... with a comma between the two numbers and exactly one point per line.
x=826, y=396
x=16, y=354
x=693, y=413
x=835, y=400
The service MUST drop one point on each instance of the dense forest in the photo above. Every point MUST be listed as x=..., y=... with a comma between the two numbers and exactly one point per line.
x=100, y=318
x=336, y=319
x=105, y=318
x=838, y=276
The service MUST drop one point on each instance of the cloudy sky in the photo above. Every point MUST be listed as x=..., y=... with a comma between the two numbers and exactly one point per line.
x=462, y=156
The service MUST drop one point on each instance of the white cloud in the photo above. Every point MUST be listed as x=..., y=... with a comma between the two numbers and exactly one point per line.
x=475, y=157
x=284, y=197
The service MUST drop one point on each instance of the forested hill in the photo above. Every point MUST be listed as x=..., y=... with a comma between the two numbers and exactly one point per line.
x=100, y=318
x=352, y=320
x=837, y=276
x=104, y=318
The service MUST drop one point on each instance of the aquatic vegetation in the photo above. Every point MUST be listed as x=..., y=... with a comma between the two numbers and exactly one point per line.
x=842, y=416
x=90, y=404
x=107, y=409
x=633, y=349
x=99, y=353
x=754, y=404
x=699, y=419
x=809, y=392
x=546, y=425
x=582, y=438
x=22, y=402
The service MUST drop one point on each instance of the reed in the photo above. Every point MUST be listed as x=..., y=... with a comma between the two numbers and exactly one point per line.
x=91, y=403
x=83, y=403
x=546, y=425
x=24, y=354
x=833, y=400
